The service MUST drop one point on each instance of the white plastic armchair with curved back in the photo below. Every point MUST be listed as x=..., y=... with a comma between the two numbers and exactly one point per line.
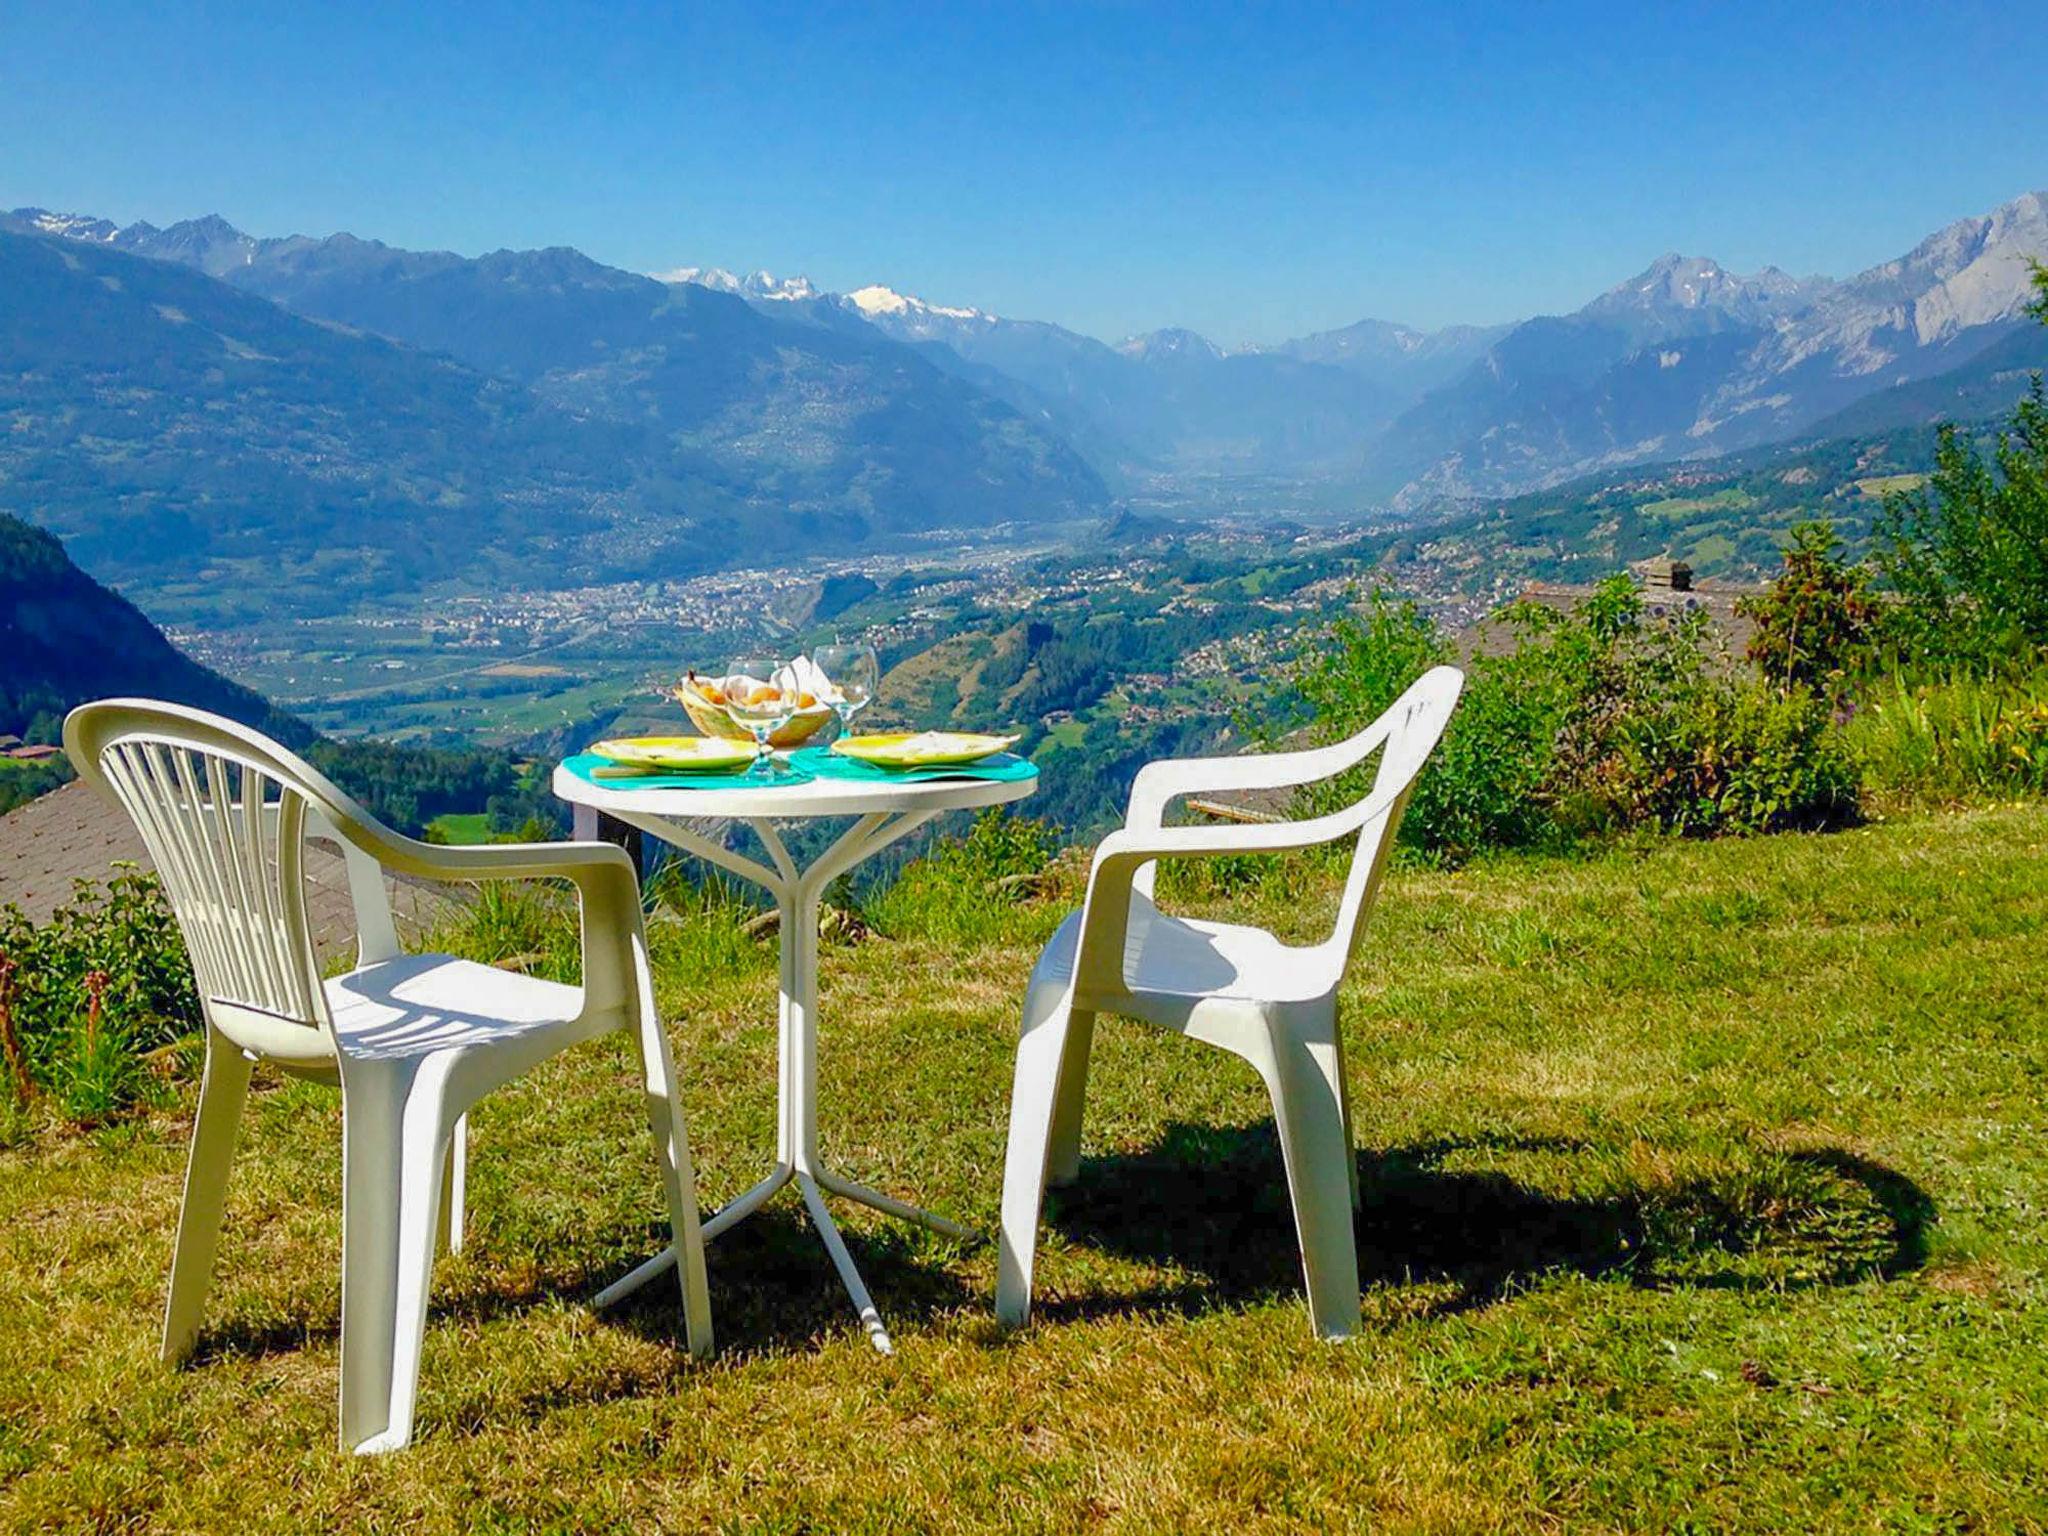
x=411, y=1040
x=1240, y=988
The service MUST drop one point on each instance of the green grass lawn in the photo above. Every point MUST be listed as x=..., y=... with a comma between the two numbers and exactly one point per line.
x=463, y=827
x=1703, y=1190
x=1729, y=499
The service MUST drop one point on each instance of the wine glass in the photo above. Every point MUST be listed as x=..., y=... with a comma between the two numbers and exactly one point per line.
x=854, y=671
x=760, y=700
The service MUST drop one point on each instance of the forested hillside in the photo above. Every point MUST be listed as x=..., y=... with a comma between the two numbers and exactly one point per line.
x=66, y=639
x=1728, y=518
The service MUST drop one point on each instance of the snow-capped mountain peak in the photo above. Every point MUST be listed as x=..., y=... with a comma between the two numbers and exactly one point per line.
x=875, y=299
x=72, y=226
x=754, y=285
x=1675, y=286
x=878, y=303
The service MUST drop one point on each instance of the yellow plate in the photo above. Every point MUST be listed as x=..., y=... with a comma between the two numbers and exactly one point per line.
x=921, y=749
x=679, y=754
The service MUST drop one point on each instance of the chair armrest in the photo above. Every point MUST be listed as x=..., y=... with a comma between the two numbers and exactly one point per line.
x=1121, y=856
x=500, y=861
x=1159, y=784
x=1134, y=847
x=607, y=889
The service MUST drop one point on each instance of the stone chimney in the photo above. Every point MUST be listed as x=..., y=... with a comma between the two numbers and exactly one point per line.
x=1666, y=573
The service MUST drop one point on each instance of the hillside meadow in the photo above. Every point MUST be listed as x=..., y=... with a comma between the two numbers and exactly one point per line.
x=1702, y=1191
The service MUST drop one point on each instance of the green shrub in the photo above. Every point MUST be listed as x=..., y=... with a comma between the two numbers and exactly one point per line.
x=94, y=991
x=1363, y=662
x=1817, y=623
x=1486, y=787
x=1584, y=726
x=1747, y=758
x=1479, y=789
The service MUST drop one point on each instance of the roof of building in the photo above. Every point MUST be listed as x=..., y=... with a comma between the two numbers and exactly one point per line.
x=72, y=834
x=1716, y=599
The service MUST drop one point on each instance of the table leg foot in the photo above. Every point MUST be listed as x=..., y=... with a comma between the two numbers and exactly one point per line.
x=849, y=1276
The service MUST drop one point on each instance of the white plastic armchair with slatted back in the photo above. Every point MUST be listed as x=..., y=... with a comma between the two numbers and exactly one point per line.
x=412, y=1040
x=1240, y=988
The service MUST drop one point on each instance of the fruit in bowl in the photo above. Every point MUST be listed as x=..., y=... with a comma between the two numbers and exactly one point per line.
x=704, y=699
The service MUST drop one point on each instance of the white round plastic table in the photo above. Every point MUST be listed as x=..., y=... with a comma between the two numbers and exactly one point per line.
x=885, y=812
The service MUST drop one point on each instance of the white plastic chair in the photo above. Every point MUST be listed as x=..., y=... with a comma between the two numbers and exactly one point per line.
x=412, y=1040
x=1240, y=988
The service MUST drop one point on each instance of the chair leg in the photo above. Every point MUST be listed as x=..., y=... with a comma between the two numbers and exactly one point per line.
x=394, y=1145
x=678, y=1176
x=222, y=1092
x=1041, y=1064
x=454, y=1178
x=1340, y=1082
x=1308, y=1109
x=1063, y=1158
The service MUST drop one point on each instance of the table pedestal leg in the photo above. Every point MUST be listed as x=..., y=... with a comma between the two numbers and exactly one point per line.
x=798, y=894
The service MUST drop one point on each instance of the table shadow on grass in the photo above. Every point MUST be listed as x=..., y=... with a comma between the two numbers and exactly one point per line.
x=1213, y=1201
x=772, y=1288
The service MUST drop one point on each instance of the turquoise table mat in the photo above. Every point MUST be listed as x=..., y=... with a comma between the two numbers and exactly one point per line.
x=582, y=763
x=806, y=765
x=823, y=763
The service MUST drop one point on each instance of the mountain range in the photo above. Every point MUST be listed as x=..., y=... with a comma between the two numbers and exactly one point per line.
x=1685, y=359
x=211, y=416
x=337, y=415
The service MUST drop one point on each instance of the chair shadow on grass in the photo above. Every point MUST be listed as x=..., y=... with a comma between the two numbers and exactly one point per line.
x=1212, y=1204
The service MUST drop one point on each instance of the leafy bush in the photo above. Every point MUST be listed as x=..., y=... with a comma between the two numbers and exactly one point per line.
x=1584, y=726
x=1969, y=554
x=1363, y=662
x=92, y=992
x=1745, y=759
x=1818, y=623
x=1479, y=790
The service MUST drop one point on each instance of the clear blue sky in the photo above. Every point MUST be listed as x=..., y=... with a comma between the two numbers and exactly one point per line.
x=1253, y=172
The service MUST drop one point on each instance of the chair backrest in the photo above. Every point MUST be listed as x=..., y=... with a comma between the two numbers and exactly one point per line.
x=225, y=812
x=1405, y=734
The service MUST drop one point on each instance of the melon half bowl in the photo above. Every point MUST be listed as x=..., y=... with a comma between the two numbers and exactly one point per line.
x=705, y=706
